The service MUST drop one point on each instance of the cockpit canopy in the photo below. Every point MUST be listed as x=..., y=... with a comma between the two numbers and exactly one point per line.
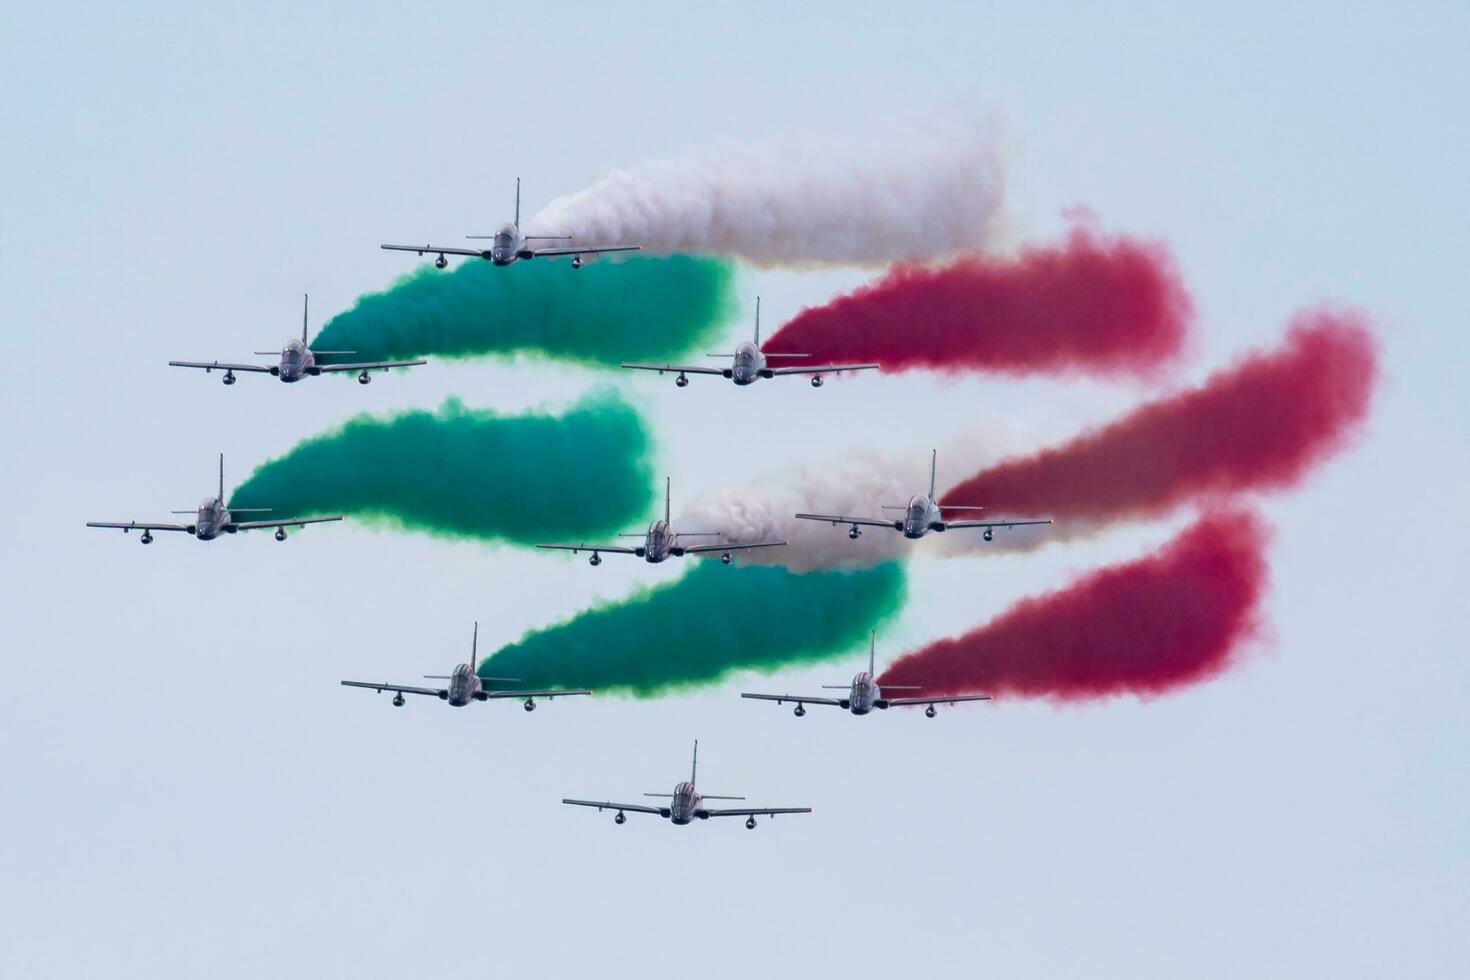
x=918, y=508
x=746, y=354
x=210, y=504
x=505, y=236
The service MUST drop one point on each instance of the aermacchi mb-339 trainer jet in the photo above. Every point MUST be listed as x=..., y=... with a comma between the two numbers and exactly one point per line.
x=297, y=361
x=863, y=694
x=660, y=542
x=920, y=516
x=212, y=518
x=464, y=685
x=508, y=245
x=686, y=804
x=748, y=364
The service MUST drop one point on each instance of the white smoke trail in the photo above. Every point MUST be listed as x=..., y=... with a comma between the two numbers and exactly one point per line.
x=913, y=191
x=857, y=484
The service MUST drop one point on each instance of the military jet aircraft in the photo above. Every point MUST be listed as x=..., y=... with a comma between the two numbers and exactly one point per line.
x=508, y=245
x=212, y=518
x=464, y=685
x=660, y=542
x=749, y=364
x=297, y=361
x=921, y=515
x=863, y=694
x=686, y=804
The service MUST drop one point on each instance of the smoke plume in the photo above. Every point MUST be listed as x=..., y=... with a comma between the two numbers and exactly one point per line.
x=604, y=313
x=1094, y=304
x=1176, y=617
x=712, y=621
x=1260, y=424
x=906, y=192
x=466, y=472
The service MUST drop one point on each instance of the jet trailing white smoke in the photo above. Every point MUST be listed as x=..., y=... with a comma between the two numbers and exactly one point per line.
x=857, y=484
x=914, y=191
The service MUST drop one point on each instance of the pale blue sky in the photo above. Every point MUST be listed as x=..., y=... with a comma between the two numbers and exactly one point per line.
x=188, y=790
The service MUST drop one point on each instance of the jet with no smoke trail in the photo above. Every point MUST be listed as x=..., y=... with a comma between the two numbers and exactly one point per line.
x=660, y=542
x=864, y=694
x=298, y=361
x=464, y=685
x=921, y=515
x=749, y=364
x=686, y=804
x=509, y=244
x=212, y=518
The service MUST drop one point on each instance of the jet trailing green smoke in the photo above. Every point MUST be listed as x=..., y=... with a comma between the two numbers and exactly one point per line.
x=471, y=473
x=711, y=622
x=607, y=312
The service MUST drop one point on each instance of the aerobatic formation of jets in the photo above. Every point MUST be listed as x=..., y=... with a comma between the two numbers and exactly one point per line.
x=922, y=514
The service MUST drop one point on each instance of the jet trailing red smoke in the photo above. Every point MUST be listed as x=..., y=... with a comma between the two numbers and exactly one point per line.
x=1176, y=617
x=1097, y=304
x=1262, y=423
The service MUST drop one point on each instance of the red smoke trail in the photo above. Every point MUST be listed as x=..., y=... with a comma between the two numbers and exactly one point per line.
x=1102, y=305
x=1175, y=617
x=1261, y=423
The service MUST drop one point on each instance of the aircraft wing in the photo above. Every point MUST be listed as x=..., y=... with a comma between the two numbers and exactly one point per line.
x=491, y=695
x=897, y=702
x=398, y=688
x=135, y=526
x=559, y=250
x=839, y=519
x=769, y=811
x=615, y=549
x=630, y=807
x=701, y=548
x=783, y=698
x=682, y=369
x=823, y=368
x=438, y=250
x=298, y=522
x=221, y=366
x=368, y=366
x=954, y=524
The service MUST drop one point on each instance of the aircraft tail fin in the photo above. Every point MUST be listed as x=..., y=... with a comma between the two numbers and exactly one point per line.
x=475, y=646
x=933, y=464
x=305, y=309
x=757, y=323
x=872, y=648
x=518, y=203
x=221, y=479
x=668, y=494
x=694, y=767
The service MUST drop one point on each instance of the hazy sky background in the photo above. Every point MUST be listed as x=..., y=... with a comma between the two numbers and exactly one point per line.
x=187, y=790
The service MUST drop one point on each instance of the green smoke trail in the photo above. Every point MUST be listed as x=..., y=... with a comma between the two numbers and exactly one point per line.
x=711, y=622
x=469, y=473
x=607, y=312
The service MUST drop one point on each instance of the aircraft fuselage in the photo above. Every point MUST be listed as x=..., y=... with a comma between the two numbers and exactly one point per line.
x=297, y=361
x=464, y=684
x=659, y=543
x=506, y=246
x=920, y=517
x=684, y=804
x=211, y=519
x=749, y=364
x=864, y=695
